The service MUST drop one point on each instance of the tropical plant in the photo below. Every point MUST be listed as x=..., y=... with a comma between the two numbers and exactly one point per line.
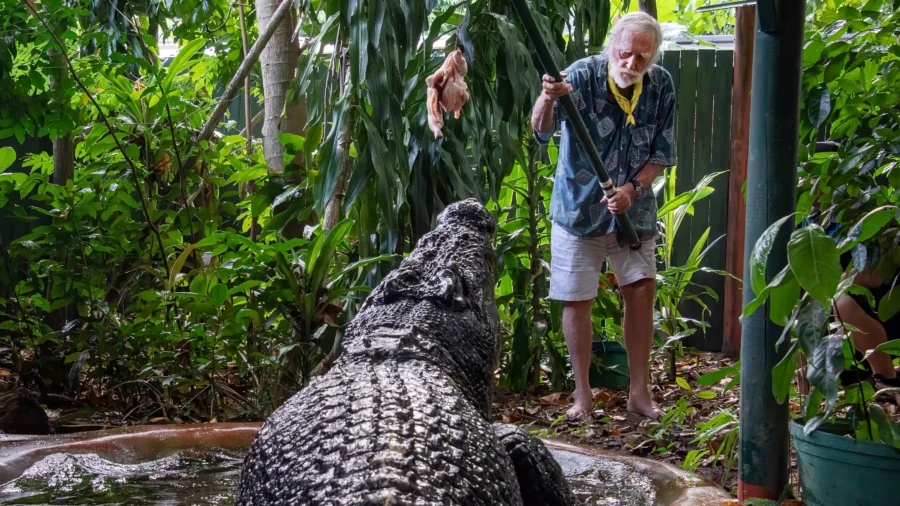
x=674, y=285
x=851, y=72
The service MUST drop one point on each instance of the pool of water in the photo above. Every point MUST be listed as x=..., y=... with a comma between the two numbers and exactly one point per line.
x=172, y=467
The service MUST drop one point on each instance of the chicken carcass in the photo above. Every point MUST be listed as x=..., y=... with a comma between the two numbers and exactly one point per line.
x=446, y=89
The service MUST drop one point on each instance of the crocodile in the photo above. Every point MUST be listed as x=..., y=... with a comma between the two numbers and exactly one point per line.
x=403, y=417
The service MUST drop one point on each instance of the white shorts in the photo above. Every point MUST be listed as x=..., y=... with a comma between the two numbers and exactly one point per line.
x=577, y=263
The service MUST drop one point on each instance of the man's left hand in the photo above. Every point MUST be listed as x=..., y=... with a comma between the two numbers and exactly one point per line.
x=621, y=201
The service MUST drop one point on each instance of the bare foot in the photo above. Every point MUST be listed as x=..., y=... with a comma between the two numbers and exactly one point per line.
x=640, y=403
x=581, y=409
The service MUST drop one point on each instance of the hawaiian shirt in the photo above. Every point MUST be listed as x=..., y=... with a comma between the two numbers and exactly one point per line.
x=625, y=149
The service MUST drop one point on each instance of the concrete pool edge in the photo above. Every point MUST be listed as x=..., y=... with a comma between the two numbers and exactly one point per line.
x=675, y=486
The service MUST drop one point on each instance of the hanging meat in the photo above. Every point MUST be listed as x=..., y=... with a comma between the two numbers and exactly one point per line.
x=446, y=89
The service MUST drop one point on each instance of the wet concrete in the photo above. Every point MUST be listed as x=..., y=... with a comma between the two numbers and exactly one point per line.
x=200, y=464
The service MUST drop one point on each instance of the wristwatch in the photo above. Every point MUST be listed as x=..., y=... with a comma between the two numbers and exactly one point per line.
x=638, y=189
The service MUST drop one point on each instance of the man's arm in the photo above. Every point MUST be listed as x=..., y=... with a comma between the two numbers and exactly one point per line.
x=625, y=196
x=542, y=112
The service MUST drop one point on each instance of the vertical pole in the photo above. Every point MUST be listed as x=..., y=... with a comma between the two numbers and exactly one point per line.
x=771, y=194
x=744, y=29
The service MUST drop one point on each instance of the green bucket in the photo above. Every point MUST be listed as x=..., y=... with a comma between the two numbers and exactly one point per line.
x=613, y=355
x=836, y=470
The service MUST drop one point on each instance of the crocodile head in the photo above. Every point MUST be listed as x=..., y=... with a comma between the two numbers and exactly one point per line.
x=438, y=306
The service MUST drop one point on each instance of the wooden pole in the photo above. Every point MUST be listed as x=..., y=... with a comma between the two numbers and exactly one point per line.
x=744, y=21
x=764, y=456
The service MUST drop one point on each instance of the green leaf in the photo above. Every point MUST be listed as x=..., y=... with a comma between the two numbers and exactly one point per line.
x=182, y=61
x=683, y=383
x=706, y=394
x=218, y=294
x=889, y=305
x=810, y=327
x=814, y=258
x=867, y=227
x=783, y=299
x=783, y=373
x=824, y=367
x=7, y=157
x=760, y=255
x=890, y=347
x=889, y=432
x=784, y=277
x=818, y=105
x=75, y=371
x=179, y=263
x=715, y=377
x=812, y=403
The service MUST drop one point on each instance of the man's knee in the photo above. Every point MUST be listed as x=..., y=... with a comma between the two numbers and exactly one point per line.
x=641, y=288
x=578, y=306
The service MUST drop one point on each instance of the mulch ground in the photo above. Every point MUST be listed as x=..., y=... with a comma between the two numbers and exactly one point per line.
x=613, y=428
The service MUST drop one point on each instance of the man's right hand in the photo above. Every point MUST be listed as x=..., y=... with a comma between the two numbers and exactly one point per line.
x=552, y=89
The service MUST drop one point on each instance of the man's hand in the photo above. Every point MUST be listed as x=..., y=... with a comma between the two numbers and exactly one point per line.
x=622, y=200
x=552, y=89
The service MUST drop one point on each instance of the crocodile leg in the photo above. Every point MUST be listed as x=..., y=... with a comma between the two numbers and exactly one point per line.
x=540, y=477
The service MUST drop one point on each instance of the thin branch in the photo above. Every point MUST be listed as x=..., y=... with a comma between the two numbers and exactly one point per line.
x=165, y=99
x=102, y=116
x=231, y=91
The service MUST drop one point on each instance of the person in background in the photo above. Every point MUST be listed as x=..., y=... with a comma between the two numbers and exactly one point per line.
x=627, y=103
x=855, y=309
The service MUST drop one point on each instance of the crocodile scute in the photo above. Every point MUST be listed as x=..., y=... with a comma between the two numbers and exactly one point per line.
x=403, y=416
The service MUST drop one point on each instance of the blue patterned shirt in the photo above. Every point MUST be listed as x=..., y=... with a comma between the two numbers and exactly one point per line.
x=625, y=149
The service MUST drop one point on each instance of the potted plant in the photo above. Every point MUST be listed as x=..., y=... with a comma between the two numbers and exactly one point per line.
x=848, y=449
x=609, y=364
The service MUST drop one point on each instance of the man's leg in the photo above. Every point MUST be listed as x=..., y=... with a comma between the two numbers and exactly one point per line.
x=578, y=332
x=872, y=335
x=638, y=326
x=574, y=280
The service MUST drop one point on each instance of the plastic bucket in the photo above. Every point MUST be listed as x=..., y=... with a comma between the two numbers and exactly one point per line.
x=611, y=354
x=836, y=470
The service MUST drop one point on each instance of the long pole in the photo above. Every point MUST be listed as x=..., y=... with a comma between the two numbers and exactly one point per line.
x=627, y=233
x=744, y=29
x=771, y=194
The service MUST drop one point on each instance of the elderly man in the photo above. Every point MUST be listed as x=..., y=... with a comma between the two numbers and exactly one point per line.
x=628, y=105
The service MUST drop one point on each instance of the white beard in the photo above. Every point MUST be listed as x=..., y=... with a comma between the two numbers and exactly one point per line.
x=624, y=77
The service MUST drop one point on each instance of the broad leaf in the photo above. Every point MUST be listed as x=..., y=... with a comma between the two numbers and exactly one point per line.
x=810, y=327
x=889, y=432
x=182, y=61
x=867, y=227
x=760, y=255
x=782, y=301
x=715, y=377
x=824, y=366
x=783, y=373
x=7, y=157
x=218, y=294
x=814, y=258
x=889, y=305
x=818, y=105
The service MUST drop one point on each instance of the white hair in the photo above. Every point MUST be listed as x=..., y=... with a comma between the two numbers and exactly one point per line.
x=632, y=23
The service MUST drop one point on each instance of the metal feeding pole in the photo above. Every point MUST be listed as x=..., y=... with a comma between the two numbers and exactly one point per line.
x=626, y=228
x=771, y=194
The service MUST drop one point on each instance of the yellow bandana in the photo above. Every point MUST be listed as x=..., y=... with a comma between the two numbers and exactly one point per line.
x=626, y=105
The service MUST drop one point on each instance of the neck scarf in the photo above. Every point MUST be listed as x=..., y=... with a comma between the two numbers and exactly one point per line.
x=628, y=106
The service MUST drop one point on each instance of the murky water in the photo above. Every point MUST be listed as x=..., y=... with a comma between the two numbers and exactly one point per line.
x=211, y=478
x=185, y=478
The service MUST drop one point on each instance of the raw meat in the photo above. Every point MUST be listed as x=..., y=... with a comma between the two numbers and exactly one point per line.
x=446, y=89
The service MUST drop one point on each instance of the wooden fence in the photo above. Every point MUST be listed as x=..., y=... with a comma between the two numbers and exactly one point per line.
x=703, y=81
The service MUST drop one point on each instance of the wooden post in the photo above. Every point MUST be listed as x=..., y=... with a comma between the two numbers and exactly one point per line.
x=745, y=22
x=764, y=454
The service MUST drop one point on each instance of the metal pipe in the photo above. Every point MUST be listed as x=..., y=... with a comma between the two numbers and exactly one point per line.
x=628, y=235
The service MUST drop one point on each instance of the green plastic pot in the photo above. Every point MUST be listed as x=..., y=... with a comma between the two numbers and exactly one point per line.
x=612, y=354
x=836, y=470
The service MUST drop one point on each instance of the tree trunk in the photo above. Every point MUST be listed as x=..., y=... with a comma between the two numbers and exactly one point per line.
x=333, y=208
x=648, y=6
x=279, y=63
